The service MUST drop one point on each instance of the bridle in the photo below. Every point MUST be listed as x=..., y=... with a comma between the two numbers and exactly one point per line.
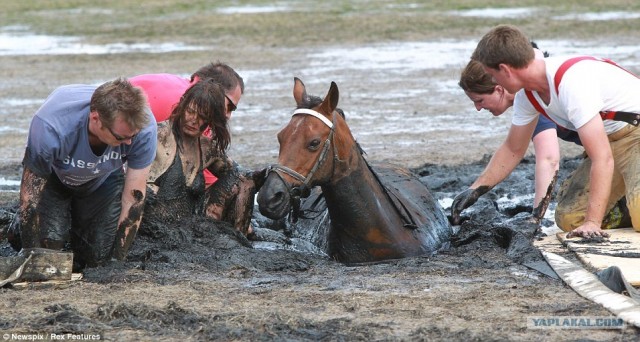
x=303, y=190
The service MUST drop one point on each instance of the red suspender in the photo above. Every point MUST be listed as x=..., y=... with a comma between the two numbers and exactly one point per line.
x=538, y=107
x=566, y=65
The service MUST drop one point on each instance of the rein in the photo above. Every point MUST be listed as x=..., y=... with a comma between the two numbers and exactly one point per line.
x=303, y=191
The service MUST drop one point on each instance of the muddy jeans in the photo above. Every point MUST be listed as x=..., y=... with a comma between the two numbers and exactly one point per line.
x=87, y=221
x=574, y=193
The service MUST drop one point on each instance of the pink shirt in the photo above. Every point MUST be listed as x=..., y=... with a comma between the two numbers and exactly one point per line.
x=163, y=92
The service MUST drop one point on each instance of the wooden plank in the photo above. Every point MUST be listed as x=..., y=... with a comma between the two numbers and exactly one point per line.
x=55, y=284
x=11, y=269
x=621, y=249
x=47, y=264
x=550, y=243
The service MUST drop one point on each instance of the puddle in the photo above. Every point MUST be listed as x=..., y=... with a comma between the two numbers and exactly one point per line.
x=9, y=185
x=497, y=12
x=13, y=102
x=254, y=9
x=599, y=16
x=522, y=12
x=24, y=43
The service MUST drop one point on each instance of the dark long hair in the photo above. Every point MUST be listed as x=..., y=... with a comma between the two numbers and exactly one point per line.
x=207, y=98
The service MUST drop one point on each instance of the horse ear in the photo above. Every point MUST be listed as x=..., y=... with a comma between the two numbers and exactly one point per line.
x=300, y=92
x=330, y=102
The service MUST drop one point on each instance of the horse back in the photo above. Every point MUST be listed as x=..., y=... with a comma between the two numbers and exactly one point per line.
x=414, y=202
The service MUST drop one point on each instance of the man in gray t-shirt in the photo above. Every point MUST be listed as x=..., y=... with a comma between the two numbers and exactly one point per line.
x=74, y=187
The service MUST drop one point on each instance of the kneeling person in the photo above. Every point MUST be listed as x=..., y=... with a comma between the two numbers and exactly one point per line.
x=74, y=188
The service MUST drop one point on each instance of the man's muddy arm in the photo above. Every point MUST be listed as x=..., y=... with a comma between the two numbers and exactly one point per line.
x=133, y=196
x=31, y=188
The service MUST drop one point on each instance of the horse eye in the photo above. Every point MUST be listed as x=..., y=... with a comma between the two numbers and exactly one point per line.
x=314, y=144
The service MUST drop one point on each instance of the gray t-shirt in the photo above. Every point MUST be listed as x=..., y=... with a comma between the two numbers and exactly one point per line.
x=59, y=142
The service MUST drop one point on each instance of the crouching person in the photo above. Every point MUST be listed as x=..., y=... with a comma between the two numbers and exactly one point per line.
x=176, y=182
x=74, y=191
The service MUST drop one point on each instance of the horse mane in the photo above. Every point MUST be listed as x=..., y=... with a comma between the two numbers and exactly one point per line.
x=312, y=101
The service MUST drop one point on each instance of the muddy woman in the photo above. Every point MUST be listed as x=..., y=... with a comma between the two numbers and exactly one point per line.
x=176, y=182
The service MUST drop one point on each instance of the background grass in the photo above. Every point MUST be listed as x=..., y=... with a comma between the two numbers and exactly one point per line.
x=308, y=23
x=268, y=42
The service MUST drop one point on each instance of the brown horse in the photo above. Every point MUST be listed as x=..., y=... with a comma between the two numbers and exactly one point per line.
x=370, y=220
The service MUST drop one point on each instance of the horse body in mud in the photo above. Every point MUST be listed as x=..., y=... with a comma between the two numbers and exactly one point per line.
x=375, y=215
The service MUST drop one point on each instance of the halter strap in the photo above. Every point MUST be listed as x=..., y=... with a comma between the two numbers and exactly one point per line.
x=314, y=113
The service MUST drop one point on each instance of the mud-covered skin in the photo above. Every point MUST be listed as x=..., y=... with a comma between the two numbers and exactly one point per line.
x=231, y=198
x=128, y=228
x=31, y=189
x=176, y=187
x=464, y=200
x=192, y=156
x=541, y=209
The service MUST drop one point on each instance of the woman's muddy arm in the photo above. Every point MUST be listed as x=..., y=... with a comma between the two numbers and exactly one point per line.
x=213, y=160
x=31, y=189
x=165, y=154
x=133, y=196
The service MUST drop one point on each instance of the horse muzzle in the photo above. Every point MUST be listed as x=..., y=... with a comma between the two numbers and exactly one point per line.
x=274, y=197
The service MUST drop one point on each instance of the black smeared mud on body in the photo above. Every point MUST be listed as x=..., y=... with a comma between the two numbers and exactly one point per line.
x=189, y=250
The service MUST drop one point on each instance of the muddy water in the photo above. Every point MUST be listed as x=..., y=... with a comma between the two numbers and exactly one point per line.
x=193, y=279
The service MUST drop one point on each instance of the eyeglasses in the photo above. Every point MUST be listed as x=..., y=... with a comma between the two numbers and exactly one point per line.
x=119, y=137
x=230, y=106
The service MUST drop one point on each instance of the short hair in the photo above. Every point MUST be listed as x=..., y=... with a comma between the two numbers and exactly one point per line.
x=208, y=99
x=504, y=44
x=120, y=98
x=475, y=79
x=222, y=74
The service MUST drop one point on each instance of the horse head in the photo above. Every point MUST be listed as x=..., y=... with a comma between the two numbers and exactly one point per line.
x=376, y=213
x=310, y=149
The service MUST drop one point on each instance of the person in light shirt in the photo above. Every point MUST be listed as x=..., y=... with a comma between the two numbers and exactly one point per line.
x=580, y=99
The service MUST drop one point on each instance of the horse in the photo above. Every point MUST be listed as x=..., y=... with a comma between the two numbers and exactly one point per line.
x=370, y=220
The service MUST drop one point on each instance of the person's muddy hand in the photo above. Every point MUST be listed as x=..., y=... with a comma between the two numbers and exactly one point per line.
x=588, y=230
x=464, y=200
x=259, y=177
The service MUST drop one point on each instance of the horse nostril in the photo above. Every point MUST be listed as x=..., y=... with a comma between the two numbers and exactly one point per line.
x=278, y=197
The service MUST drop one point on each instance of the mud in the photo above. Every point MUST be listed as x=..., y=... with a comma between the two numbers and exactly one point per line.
x=196, y=279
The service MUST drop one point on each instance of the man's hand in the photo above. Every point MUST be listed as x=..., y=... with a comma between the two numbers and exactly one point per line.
x=464, y=200
x=588, y=230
